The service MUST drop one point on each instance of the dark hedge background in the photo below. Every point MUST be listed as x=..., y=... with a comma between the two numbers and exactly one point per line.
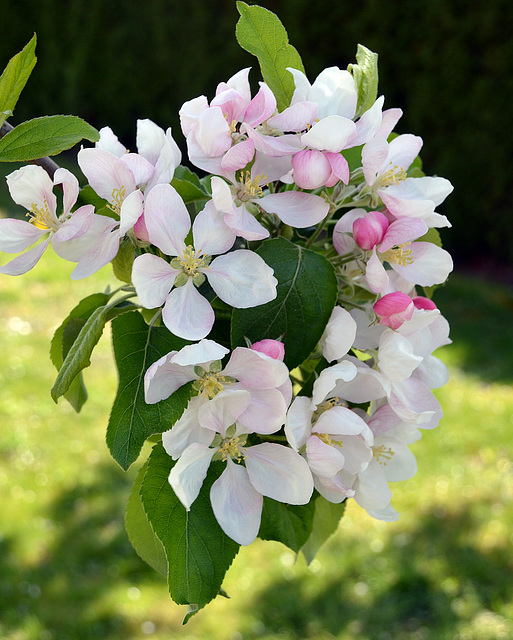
x=447, y=63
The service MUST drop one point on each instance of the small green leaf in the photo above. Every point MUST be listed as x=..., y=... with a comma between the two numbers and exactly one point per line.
x=14, y=78
x=306, y=294
x=76, y=395
x=139, y=530
x=123, y=261
x=136, y=346
x=432, y=235
x=325, y=522
x=46, y=136
x=365, y=75
x=78, y=357
x=199, y=552
x=286, y=523
x=260, y=32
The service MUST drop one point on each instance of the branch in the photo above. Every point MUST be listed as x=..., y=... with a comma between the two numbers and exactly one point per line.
x=47, y=163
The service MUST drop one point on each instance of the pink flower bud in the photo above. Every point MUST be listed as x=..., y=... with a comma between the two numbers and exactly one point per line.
x=424, y=303
x=140, y=230
x=312, y=169
x=393, y=309
x=370, y=230
x=272, y=348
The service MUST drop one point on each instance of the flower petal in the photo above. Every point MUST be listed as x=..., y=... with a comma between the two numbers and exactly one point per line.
x=242, y=279
x=211, y=234
x=332, y=133
x=187, y=430
x=223, y=410
x=107, y=174
x=26, y=261
x=236, y=504
x=18, y=235
x=164, y=377
x=255, y=369
x=30, y=186
x=279, y=473
x=294, y=208
x=153, y=279
x=324, y=460
x=187, y=313
x=187, y=476
x=167, y=219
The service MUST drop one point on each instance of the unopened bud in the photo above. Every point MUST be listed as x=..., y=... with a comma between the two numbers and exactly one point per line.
x=370, y=230
x=272, y=348
x=421, y=302
x=393, y=309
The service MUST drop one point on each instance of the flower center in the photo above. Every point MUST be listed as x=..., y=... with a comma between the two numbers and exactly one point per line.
x=394, y=175
x=250, y=187
x=401, y=255
x=230, y=449
x=42, y=217
x=383, y=454
x=211, y=382
x=116, y=199
x=190, y=263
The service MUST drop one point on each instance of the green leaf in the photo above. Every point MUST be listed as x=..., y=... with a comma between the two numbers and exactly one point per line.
x=123, y=261
x=365, y=75
x=260, y=32
x=14, y=78
x=432, y=235
x=139, y=530
x=307, y=292
x=188, y=185
x=286, y=523
x=325, y=522
x=198, y=551
x=78, y=357
x=76, y=395
x=136, y=346
x=46, y=136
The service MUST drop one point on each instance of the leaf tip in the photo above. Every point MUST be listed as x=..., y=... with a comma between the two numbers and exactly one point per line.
x=192, y=609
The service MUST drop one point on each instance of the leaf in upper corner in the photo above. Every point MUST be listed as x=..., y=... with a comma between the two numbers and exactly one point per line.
x=15, y=77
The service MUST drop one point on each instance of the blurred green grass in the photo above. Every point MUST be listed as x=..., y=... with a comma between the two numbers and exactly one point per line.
x=67, y=570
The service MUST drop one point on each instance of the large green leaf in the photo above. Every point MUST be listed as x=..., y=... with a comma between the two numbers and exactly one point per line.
x=198, y=551
x=260, y=32
x=365, y=75
x=14, y=78
x=325, y=522
x=188, y=185
x=78, y=356
x=139, y=530
x=76, y=394
x=46, y=136
x=307, y=292
x=136, y=346
x=287, y=523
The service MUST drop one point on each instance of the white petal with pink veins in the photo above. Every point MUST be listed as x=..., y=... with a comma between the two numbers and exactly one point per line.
x=187, y=313
x=255, y=370
x=153, y=279
x=236, y=504
x=18, y=235
x=238, y=156
x=261, y=107
x=186, y=430
x=297, y=117
x=211, y=234
x=32, y=185
x=74, y=227
x=108, y=175
x=296, y=209
x=324, y=460
x=164, y=377
x=167, y=219
x=24, y=262
x=332, y=133
x=70, y=187
x=298, y=424
x=187, y=476
x=431, y=265
x=242, y=279
x=222, y=410
x=279, y=473
x=131, y=211
x=265, y=413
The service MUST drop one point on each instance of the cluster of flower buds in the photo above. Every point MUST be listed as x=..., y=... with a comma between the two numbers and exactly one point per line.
x=327, y=178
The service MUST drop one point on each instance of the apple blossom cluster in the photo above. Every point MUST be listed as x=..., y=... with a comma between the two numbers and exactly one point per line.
x=283, y=299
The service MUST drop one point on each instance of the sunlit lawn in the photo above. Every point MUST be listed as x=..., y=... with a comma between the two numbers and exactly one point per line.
x=67, y=570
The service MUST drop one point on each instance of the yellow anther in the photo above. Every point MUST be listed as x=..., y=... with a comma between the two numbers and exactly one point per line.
x=41, y=217
x=233, y=124
x=116, y=199
x=401, y=255
x=230, y=449
x=211, y=384
x=383, y=454
x=394, y=175
x=191, y=261
x=250, y=188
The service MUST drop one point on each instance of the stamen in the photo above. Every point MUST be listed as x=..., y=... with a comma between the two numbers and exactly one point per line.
x=394, y=175
x=42, y=218
x=250, y=188
x=231, y=449
x=116, y=199
x=383, y=454
x=401, y=255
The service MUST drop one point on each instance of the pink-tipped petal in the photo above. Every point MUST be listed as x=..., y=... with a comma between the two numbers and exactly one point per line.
x=18, y=235
x=167, y=219
x=187, y=313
